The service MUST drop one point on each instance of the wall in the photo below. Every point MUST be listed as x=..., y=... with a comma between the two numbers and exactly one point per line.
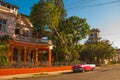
x=14, y=71
x=11, y=23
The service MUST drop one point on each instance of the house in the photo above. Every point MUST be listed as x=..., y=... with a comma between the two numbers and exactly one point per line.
x=117, y=56
x=25, y=49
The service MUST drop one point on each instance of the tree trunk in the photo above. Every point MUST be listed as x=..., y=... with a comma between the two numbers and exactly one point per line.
x=59, y=35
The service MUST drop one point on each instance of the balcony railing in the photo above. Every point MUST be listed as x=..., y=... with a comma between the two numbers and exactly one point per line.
x=30, y=39
x=2, y=33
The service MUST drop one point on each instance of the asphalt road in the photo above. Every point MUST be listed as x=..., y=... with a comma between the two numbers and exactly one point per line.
x=103, y=73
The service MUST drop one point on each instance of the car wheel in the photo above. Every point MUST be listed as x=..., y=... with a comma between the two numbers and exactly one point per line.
x=74, y=71
x=92, y=69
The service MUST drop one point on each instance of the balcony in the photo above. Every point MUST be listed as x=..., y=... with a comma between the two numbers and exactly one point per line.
x=31, y=40
x=6, y=7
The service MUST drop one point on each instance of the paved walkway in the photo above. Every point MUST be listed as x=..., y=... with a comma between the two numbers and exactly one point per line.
x=10, y=77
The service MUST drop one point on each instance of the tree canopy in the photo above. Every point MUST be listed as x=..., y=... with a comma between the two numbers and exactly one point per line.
x=97, y=52
x=47, y=13
x=72, y=30
x=65, y=33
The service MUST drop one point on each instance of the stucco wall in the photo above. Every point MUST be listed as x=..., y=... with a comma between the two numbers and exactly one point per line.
x=10, y=25
x=13, y=71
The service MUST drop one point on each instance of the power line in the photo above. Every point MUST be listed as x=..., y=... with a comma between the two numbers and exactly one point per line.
x=78, y=3
x=102, y=4
x=94, y=5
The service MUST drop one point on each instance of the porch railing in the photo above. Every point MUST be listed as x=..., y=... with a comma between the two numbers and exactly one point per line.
x=25, y=39
x=30, y=39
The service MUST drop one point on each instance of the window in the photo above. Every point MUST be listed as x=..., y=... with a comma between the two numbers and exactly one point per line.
x=0, y=26
x=91, y=35
x=17, y=31
x=4, y=21
x=95, y=35
x=25, y=33
x=3, y=24
x=8, y=7
x=0, y=20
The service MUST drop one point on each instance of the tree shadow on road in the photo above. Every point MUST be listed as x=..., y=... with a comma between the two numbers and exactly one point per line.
x=71, y=72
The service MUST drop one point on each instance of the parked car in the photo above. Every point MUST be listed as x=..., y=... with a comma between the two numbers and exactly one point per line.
x=83, y=67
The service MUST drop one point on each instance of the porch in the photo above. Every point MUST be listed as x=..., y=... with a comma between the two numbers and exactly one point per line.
x=29, y=52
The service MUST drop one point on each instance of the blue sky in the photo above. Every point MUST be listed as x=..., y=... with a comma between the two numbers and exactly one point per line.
x=102, y=14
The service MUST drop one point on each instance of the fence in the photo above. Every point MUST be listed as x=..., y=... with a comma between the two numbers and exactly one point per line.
x=31, y=65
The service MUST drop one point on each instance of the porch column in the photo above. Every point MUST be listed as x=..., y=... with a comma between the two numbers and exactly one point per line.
x=29, y=56
x=41, y=53
x=11, y=56
x=36, y=56
x=8, y=56
x=19, y=56
x=24, y=55
x=49, y=57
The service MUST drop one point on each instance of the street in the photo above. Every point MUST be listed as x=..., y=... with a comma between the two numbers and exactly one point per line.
x=103, y=73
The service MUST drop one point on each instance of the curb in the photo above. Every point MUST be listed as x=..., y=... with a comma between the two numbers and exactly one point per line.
x=10, y=77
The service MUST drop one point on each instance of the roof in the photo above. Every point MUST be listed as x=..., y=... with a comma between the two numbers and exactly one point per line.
x=25, y=21
x=95, y=30
x=5, y=3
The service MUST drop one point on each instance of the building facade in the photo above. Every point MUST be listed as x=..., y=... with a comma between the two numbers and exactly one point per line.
x=117, y=56
x=94, y=36
x=25, y=49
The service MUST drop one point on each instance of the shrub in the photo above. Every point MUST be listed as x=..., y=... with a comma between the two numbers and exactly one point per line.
x=114, y=62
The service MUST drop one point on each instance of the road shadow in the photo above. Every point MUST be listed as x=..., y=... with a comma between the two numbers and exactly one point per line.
x=104, y=70
x=72, y=72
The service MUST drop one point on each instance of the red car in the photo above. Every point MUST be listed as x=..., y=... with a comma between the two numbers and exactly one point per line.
x=83, y=67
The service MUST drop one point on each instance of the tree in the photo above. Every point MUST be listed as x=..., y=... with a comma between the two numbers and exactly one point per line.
x=65, y=33
x=97, y=52
x=87, y=54
x=72, y=30
x=60, y=4
x=104, y=51
x=4, y=50
x=46, y=14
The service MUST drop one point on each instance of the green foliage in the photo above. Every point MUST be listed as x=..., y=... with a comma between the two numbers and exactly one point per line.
x=65, y=33
x=59, y=3
x=71, y=30
x=5, y=38
x=113, y=62
x=75, y=28
x=97, y=52
x=45, y=13
x=4, y=53
x=4, y=50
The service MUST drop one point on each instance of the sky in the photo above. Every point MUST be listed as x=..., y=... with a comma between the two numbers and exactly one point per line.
x=101, y=14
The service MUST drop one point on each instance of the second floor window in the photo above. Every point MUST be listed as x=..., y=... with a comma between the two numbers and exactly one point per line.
x=25, y=33
x=3, y=24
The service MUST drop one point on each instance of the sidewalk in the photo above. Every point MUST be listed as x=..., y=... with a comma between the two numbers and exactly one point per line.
x=10, y=77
